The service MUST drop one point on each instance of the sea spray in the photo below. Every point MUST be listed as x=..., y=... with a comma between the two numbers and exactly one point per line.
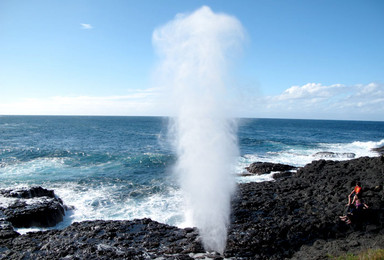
x=195, y=51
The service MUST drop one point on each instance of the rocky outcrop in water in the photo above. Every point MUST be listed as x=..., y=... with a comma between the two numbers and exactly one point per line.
x=295, y=217
x=267, y=167
x=33, y=207
x=28, y=193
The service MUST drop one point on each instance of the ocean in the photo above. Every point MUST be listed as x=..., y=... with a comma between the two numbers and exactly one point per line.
x=116, y=168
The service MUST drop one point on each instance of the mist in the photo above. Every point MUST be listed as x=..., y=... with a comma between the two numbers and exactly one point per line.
x=195, y=52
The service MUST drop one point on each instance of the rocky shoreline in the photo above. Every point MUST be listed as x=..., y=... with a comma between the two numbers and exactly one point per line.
x=282, y=219
x=296, y=216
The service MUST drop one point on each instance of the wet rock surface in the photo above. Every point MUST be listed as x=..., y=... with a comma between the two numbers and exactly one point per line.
x=379, y=150
x=32, y=207
x=294, y=217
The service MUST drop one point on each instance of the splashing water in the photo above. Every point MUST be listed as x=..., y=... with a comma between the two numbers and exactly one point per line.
x=195, y=51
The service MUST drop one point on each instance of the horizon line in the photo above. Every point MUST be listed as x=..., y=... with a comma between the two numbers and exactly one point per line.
x=163, y=116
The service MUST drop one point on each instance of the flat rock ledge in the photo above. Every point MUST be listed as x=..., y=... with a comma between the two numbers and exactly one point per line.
x=294, y=217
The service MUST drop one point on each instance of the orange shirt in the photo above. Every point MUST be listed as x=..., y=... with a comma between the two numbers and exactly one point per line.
x=357, y=189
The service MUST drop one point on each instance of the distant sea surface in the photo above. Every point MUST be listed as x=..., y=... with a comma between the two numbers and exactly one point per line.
x=120, y=167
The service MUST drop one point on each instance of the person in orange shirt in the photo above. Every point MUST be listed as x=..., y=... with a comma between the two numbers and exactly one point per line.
x=356, y=193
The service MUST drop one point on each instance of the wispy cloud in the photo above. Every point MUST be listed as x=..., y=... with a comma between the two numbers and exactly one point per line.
x=86, y=26
x=136, y=102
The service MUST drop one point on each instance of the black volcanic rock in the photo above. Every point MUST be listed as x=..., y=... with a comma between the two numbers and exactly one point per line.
x=354, y=243
x=33, y=207
x=6, y=230
x=380, y=150
x=273, y=220
x=267, y=167
x=28, y=193
x=137, y=239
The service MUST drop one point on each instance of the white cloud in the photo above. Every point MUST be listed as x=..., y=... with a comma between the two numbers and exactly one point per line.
x=317, y=101
x=313, y=90
x=86, y=26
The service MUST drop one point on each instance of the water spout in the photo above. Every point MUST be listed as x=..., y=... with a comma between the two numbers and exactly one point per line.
x=195, y=50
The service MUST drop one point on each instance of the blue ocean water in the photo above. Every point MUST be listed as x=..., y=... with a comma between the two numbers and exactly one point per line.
x=120, y=167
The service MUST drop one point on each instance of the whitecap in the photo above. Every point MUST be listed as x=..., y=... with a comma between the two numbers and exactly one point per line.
x=255, y=178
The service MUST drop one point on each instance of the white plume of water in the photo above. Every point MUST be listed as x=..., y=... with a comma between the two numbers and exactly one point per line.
x=195, y=51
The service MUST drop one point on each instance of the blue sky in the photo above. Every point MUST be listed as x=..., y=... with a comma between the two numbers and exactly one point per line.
x=302, y=59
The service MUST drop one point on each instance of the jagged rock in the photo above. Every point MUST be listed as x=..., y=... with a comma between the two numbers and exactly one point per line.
x=33, y=207
x=267, y=167
x=28, y=193
x=6, y=230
